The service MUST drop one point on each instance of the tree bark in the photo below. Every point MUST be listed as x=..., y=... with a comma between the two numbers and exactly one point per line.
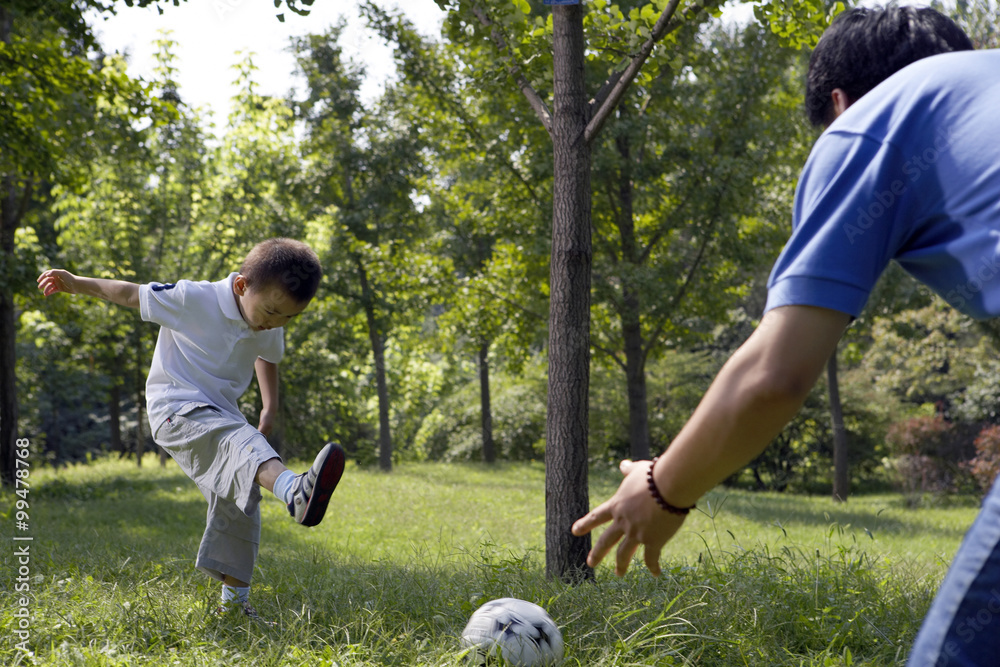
x=841, y=477
x=378, y=356
x=489, y=451
x=635, y=378
x=8, y=330
x=115, y=416
x=566, y=455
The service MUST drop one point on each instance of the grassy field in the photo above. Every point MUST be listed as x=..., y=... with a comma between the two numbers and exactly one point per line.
x=402, y=559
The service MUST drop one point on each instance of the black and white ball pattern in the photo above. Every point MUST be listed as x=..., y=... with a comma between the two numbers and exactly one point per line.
x=521, y=632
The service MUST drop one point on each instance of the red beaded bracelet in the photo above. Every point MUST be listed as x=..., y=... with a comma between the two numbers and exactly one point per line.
x=655, y=492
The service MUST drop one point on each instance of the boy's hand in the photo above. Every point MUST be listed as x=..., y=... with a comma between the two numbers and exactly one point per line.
x=57, y=280
x=116, y=291
x=266, y=423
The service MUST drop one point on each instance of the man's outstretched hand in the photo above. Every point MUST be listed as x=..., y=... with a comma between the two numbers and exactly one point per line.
x=635, y=519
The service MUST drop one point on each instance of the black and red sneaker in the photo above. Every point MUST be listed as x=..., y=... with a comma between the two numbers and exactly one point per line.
x=312, y=489
x=244, y=609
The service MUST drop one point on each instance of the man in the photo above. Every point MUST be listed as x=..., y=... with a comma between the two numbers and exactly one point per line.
x=908, y=169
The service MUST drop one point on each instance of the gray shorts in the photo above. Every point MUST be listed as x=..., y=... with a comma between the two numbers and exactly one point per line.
x=221, y=454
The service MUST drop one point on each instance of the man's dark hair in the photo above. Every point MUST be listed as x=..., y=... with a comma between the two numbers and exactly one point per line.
x=863, y=47
x=283, y=263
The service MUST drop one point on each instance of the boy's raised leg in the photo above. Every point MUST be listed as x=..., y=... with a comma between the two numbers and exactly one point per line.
x=312, y=489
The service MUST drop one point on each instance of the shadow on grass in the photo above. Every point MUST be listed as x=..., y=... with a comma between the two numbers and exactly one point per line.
x=768, y=509
x=113, y=487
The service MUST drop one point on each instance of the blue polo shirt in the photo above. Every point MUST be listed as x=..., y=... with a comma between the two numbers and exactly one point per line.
x=911, y=173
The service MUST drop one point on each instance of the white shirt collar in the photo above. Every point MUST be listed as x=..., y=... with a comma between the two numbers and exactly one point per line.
x=227, y=299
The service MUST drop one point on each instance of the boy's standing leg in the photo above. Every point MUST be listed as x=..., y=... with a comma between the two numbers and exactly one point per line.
x=228, y=550
x=229, y=461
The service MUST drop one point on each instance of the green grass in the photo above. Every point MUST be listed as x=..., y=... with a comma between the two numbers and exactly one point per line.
x=402, y=559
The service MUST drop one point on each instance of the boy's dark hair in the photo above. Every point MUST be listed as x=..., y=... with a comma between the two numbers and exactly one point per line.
x=863, y=47
x=285, y=263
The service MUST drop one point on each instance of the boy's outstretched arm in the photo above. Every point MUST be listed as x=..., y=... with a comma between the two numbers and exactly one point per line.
x=116, y=291
x=760, y=388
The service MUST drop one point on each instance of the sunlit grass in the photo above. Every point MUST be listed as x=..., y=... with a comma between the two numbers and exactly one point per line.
x=402, y=559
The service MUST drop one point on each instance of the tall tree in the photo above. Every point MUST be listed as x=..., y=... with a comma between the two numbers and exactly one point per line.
x=684, y=185
x=841, y=474
x=566, y=493
x=362, y=168
x=135, y=221
x=622, y=44
x=488, y=194
x=54, y=99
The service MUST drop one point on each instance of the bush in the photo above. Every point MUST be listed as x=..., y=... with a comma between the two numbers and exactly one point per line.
x=919, y=435
x=453, y=431
x=985, y=466
x=930, y=454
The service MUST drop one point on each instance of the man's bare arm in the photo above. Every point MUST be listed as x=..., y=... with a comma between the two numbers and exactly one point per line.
x=759, y=389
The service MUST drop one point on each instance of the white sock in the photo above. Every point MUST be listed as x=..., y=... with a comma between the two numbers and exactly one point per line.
x=235, y=594
x=283, y=486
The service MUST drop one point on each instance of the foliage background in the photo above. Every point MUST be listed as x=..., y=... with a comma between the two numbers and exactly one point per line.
x=429, y=209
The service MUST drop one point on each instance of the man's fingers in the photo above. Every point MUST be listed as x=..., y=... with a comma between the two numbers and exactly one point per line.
x=597, y=516
x=651, y=555
x=604, y=544
x=626, y=550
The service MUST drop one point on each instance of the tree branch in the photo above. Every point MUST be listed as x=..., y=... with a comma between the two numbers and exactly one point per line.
x=515, y=305
x=681, y=291
x=612, y=354
x=689, y=278
x=618, y=83
x=661, y=231
x=514, y=70
x=472, y=129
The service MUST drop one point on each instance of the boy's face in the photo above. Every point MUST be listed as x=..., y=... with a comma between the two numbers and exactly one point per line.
x=267, y=308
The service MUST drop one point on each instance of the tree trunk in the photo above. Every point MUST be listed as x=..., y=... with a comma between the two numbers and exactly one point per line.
x=8, y=330
x=115, y=416
x=140, y=400
x=841, y=479
x=489, y=451
x=631, y=311
x=635, y=377
x=378, y=356
x=566, y=492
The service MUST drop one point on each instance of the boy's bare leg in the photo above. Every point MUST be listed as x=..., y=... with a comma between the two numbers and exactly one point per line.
x=268, y=473
x=306, y=494
x=235, y=583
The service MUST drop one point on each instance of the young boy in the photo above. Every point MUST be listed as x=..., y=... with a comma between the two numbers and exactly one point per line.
x=212, y=338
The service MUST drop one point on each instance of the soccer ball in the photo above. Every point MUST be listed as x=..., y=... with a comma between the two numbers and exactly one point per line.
x=520, y=632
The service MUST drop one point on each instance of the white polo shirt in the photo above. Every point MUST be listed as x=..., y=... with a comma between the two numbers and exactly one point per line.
x=205, y=352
